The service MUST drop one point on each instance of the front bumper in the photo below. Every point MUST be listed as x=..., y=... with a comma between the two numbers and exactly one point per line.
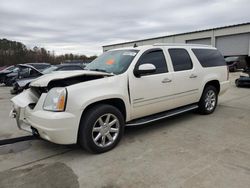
x=56, y=127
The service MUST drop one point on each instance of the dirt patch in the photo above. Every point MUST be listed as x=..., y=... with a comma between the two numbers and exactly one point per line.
x=56, y=175
x=15, y=148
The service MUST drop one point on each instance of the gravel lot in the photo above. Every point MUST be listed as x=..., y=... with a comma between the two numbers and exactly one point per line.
x=188, y=150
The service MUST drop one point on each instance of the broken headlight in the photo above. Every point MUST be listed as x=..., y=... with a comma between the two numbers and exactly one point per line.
x=55, y=100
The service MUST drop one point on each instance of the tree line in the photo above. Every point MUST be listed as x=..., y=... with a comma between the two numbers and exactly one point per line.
x=13, y=52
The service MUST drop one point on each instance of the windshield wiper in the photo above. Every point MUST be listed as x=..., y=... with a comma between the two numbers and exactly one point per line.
x=99, y=70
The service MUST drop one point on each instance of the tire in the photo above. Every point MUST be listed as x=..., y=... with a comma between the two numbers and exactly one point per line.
x=237, y=83
x=95, y=135
x=208, y=101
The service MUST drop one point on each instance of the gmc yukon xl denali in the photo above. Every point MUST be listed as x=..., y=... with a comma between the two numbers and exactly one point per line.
x=122, y=87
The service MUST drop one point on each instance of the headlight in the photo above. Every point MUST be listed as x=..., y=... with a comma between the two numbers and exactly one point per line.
x=56, y=100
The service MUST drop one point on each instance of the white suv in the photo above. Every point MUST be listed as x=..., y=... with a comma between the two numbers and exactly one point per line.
x=122, y=87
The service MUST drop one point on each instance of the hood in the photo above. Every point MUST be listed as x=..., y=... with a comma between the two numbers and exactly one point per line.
x=44, y=80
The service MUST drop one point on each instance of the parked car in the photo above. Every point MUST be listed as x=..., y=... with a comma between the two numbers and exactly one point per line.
x=2, y=67
x=244, y=79
x=122, y=87
x=23, y=83
x=21, y=71
x=236, y=62
x=40, y=66
x=4, y=72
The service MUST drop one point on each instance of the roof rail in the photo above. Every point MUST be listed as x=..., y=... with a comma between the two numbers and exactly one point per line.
x=180, y=44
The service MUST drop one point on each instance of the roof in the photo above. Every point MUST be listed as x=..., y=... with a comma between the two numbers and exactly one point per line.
x=180, y=44
x=177, y=45
x=204, y=30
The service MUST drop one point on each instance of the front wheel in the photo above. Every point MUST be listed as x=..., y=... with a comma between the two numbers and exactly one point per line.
x=101, y=128
x=208, y=101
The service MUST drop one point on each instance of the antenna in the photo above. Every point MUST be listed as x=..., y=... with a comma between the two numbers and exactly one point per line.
x=135, y=45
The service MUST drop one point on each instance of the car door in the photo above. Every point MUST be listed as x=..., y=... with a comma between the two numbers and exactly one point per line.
x=151, y=93
x=186, y=77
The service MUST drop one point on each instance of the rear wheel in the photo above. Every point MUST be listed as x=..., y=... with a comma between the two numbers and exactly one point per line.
x=208, y=101
x=101, y=128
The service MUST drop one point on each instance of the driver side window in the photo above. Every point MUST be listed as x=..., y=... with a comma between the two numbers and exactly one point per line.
x=155, y=57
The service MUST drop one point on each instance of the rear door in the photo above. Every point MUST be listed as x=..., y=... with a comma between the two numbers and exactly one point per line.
x=186, y=77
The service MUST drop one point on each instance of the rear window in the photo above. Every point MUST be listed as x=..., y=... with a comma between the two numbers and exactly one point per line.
x=209, y=57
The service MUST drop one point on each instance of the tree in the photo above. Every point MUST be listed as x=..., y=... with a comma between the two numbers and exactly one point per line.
x=13, y=52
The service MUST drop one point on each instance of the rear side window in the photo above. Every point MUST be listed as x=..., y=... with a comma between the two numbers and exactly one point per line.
x=209, y=57
x=155, y=57
x=180, y=59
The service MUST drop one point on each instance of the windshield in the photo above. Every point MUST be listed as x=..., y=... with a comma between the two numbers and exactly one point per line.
x=16, y=69
x=49, y=70
x=11, y=68
x=115, y=62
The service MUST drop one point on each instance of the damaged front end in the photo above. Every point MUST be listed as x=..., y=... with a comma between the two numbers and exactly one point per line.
x=32, y=116
x=20, y=104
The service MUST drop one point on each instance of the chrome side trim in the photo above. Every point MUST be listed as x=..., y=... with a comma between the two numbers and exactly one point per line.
x=145, y=100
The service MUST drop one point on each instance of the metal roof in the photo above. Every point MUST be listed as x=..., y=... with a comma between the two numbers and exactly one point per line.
x=180, y=44
x=198, y=31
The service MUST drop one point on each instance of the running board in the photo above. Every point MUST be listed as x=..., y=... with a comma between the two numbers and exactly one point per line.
x=161, y=115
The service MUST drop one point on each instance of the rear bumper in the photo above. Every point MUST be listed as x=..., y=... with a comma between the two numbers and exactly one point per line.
x=224, y=87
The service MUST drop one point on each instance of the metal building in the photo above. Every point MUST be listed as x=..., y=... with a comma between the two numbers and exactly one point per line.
x=230, y=40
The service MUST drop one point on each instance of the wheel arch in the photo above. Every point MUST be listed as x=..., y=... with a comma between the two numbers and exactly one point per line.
x=117, y=102
x=214, y=83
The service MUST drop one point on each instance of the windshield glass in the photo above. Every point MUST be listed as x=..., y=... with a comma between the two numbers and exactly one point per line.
x=11, y=68
x=115, y=62
x=16, y=69
x=49, y=70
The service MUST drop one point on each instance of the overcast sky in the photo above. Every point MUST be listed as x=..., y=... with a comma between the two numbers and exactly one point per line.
x=82, y=27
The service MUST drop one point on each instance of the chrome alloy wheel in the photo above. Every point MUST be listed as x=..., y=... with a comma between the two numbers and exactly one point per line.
x=210, y=100
x=105, y=130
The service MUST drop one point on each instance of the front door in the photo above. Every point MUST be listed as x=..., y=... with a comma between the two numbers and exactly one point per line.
x=150, y=93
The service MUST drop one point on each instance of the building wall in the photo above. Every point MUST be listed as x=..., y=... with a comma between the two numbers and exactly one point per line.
x=231, y=40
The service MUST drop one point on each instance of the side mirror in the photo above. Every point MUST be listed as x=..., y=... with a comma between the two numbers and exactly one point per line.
x=144, y=69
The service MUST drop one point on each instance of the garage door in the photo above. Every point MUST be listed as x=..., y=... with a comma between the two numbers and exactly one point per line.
x=233, y=44
x=206, y=41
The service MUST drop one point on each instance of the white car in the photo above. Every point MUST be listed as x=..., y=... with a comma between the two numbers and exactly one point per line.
x=122, y=87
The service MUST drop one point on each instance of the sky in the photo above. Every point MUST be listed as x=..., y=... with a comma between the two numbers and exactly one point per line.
x=83, y=27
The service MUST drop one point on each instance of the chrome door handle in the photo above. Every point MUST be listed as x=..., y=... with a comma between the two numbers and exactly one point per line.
x=166, y=80
x=193, y=76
